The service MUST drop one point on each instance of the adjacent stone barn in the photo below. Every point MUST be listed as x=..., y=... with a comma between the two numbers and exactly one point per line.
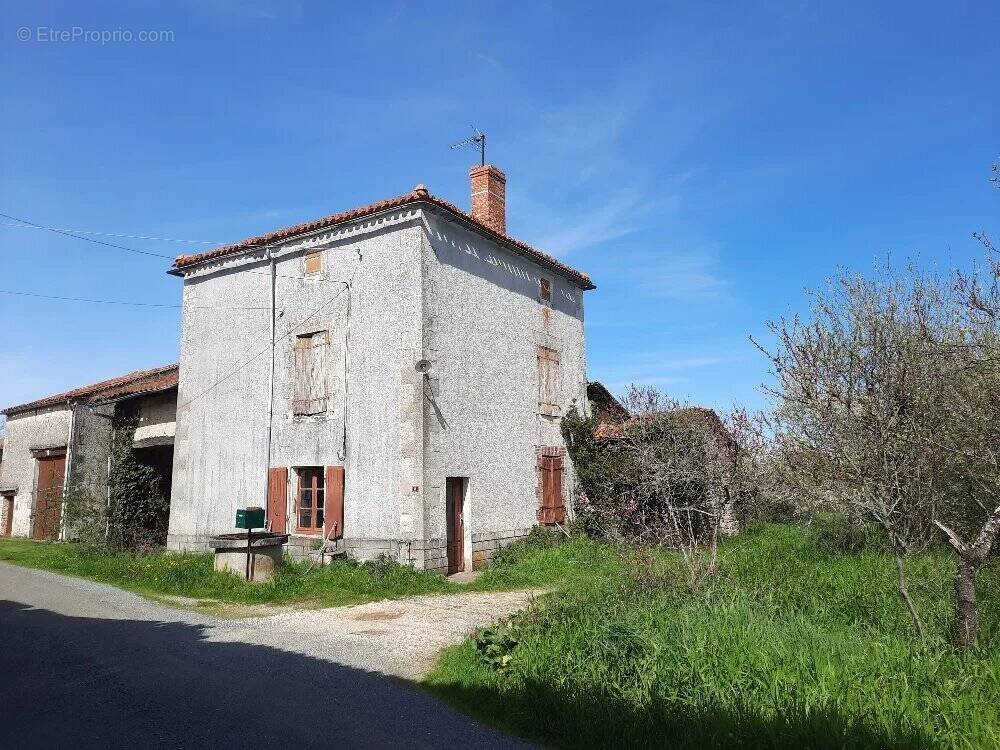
x=387, y=381
x=61, y=442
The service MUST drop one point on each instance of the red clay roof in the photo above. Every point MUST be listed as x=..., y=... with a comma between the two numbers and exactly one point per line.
x=140, y=381
x=419, y=194
x=691, y=414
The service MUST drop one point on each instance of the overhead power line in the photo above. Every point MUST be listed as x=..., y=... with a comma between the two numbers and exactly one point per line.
x=85, y=239
x=109, y=234
x=123, y=302
x=70, y=233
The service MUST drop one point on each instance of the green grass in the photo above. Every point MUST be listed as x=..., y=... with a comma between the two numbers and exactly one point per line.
x=192, y=576
x=789, y=647
x=340, y=583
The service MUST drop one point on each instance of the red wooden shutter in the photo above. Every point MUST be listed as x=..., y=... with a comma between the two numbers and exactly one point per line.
x=334, y=514
x=277, y=498
x=552, y=508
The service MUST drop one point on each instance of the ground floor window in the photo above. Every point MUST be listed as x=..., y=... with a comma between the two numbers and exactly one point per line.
x=310, y=500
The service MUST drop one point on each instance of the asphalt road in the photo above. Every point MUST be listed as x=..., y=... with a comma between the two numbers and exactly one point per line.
x=84, y=665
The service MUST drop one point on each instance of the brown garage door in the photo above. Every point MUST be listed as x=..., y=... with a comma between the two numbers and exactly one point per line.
x=49, y=496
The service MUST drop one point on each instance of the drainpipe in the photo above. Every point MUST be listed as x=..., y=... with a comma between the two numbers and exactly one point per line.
x=270, y=379
x=67, y=469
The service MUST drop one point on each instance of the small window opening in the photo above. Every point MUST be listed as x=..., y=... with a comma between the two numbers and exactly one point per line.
x=314, y=263
x=545, y=290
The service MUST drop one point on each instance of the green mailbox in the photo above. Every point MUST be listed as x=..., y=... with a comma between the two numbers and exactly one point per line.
x=250, y=518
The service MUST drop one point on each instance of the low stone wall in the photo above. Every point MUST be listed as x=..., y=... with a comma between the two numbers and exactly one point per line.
x=486, y=543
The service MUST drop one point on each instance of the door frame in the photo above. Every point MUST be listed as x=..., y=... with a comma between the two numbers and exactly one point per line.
x=456, y=518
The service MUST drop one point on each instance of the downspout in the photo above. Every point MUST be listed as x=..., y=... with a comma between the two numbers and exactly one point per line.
x=270, y=379
x=70, y=443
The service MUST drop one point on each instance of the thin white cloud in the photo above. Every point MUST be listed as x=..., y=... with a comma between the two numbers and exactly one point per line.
x=691, y=275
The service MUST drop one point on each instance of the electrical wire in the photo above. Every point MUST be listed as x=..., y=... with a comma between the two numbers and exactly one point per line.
x=86, y=239
x=121, y=302
x=108, y=234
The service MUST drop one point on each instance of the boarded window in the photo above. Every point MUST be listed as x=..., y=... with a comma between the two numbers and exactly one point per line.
x=545, y=290
x=310, y=500
x=548, y=381
x=310, y=373
x=551, y=505
x=314, y=263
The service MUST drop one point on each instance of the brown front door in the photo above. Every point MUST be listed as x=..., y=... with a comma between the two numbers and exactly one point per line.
x=49, y=496
x=455, y=495
x=7, y=502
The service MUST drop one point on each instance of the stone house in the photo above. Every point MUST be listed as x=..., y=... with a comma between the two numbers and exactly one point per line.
x=62, y=441
x=387, y=381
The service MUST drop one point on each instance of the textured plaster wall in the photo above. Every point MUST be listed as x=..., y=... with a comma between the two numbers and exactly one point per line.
x=44, y=428
x=221, y=445
x=157, y=418
x=483, y=324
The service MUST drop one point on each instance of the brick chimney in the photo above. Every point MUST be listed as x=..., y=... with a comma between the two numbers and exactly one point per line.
x=489, y=204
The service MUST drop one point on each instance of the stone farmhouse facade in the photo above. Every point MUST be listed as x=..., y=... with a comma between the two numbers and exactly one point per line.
x=62, y=441
x=386, y=381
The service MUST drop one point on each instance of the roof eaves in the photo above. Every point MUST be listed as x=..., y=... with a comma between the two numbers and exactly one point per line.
x=420, y=195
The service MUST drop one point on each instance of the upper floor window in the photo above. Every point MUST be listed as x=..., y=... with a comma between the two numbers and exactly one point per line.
x=310, y=373
x=314, y=263
x=548, y=381
x=545, y=290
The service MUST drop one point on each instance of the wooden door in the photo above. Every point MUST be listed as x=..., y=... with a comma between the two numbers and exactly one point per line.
x=49, y=496
x=454, y=520
x=8, y=514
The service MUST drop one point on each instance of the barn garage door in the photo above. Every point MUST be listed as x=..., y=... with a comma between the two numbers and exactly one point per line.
x=49, y=497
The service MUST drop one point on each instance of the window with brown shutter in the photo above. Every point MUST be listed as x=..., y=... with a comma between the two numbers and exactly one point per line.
x=551, y=504
x=314, y=263
x=310, y=373
x=548, y=381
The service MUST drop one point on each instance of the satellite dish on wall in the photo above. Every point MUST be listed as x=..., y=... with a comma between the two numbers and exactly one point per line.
x=423, y=366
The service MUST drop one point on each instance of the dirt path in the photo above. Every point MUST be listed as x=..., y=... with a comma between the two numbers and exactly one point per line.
x=401, y=637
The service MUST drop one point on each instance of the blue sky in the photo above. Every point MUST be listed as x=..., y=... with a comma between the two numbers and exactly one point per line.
x=704, y=162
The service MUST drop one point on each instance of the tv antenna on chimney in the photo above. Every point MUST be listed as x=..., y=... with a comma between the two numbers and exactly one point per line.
x=479, y=139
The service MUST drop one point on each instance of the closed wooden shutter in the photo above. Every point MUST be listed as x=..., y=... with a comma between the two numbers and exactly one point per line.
x=552, y=507
x=310, y=373
x=334, y=526
x=277, y=499
x=548, y=381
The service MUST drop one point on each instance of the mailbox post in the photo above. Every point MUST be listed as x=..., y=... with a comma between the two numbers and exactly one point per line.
x=250, y=518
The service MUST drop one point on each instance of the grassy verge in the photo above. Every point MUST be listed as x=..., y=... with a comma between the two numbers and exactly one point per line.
x=191, y=576
x=343, y=582
x=790, y=647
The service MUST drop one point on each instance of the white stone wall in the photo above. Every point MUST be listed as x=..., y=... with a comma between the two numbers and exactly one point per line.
x=220, y=450
x=42, y=428
x=483, y=324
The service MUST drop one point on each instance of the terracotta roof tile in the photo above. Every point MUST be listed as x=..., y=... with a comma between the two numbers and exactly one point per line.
x=419, y=195
x=140, y=381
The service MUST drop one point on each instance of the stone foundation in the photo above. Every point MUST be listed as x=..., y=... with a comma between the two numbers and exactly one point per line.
x=425, y=554
x=486, y=543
